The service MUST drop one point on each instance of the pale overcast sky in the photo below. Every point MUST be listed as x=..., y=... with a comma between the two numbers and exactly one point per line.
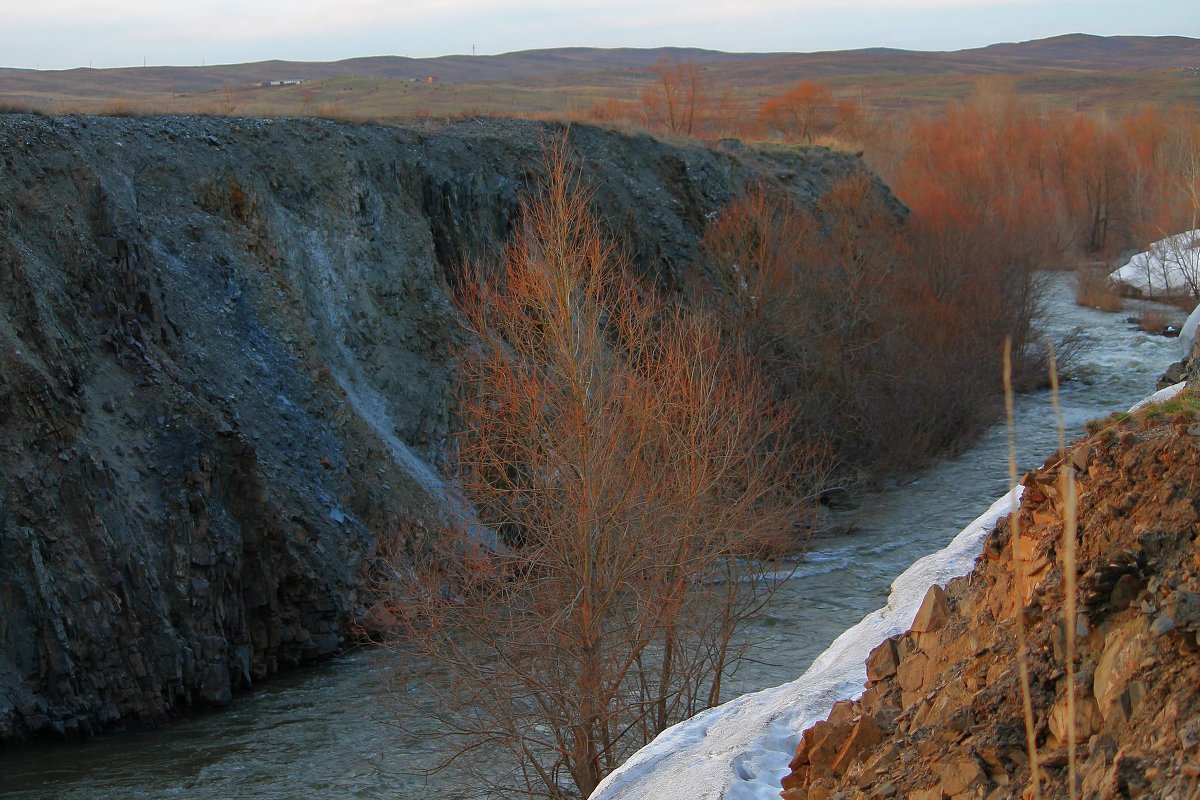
x=58, y=34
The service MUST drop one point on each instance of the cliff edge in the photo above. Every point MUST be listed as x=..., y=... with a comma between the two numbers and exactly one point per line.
x=225, y=376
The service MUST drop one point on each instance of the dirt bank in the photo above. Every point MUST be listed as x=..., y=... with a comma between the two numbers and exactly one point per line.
x=942, y=713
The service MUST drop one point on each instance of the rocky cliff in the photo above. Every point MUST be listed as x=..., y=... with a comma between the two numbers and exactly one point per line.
x=225, y=376
x=942, y=713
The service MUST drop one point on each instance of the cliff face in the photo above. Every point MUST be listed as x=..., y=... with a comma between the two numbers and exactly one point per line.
x=942, y=713
x=225, y=376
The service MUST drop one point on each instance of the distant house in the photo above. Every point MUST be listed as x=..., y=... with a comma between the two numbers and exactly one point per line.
x=294, y=82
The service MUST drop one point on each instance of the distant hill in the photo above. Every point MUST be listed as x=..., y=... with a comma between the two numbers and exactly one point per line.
x=131, y=81
x=530, y=77
x=1073, y=51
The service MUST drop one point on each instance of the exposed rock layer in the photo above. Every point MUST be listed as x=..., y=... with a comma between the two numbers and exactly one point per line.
x=224, y=371
x=942, y=714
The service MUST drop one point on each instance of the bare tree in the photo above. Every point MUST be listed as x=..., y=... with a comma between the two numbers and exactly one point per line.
x=1174, y=263
x=1186, y=247
x=637, y=472
x=678, y=97
x=801, y=112
x=1187, y=165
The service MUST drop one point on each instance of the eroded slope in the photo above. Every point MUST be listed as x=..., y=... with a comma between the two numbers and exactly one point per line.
x=225, y=376
x=942, y=713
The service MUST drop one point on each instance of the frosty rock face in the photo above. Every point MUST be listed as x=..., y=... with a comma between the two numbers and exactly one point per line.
x=225, y=354
x=955, y=730
x=745, y=748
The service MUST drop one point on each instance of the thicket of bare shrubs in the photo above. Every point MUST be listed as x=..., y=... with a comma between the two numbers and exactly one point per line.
x=634, y=458
x=887, y=335
x=1082, y=184
x=1093, y=289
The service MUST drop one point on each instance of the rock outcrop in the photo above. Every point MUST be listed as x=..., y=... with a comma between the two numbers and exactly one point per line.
x=942, y=714
x=225, y=376
x=1187, y=368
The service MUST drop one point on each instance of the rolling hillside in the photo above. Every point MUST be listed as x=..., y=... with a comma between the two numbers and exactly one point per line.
x=547, y=80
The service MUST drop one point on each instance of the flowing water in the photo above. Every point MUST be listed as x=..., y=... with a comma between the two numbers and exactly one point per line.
x=846, y=577
x=327, y=731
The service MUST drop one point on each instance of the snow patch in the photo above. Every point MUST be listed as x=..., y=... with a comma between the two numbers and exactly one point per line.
x=1170, y=267
x=1160, y=396
x=368, y=402
x=1187, y=334
x=364, y=398
x=741, y=750
x=372, y=409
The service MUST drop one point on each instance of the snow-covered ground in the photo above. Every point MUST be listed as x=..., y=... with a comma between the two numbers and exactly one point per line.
x=1187, y=335
x=741, y=750
x=1170, y=267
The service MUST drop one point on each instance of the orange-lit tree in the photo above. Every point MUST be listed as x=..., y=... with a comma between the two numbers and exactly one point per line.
x=801, y=112
x=885, y=335
x=815, y=297
x=677, y=98
x=632, y=464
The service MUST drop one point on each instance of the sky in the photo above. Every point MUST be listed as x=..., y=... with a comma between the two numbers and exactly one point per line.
x=61, y=34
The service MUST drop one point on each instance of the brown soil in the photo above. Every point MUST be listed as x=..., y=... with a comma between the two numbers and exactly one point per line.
x=942, y=714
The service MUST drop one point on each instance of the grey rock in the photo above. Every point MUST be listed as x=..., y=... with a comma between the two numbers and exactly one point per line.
x=204, y=412
x=1163, y=624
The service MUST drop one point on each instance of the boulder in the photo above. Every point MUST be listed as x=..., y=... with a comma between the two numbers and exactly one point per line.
x=883, y=661
x=934, y=611
x=866, y=734
x=959, y=774
x=1088, y=720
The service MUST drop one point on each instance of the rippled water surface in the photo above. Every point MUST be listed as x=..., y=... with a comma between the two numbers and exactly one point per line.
x=846, y=577
x=325, y=732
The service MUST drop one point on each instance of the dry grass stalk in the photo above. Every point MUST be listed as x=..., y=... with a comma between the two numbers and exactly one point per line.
x=1019, y=581
x=1066, y=475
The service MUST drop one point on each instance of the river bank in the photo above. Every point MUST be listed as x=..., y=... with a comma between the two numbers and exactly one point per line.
x=329, y=728
x=743, y=750
x=226, y=376
x=1113, y=706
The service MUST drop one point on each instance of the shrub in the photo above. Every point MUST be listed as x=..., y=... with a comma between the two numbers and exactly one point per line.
x=630, y=463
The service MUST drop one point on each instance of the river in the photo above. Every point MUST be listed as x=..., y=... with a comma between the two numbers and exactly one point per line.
x=328, y=731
